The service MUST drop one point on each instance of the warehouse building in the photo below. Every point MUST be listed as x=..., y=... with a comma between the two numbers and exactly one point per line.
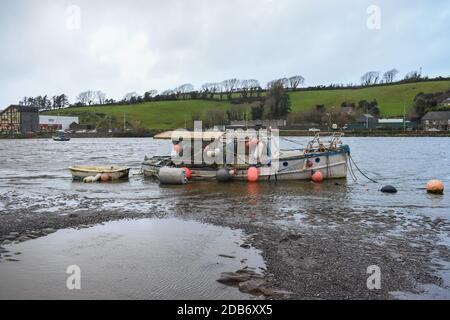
x=19, y=119
x=55, y=123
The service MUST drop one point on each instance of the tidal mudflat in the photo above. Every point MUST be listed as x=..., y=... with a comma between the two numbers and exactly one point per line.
x=316, y=240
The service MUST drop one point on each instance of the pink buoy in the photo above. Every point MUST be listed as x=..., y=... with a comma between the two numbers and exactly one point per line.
x=188, y=173
x=317, y=177
x=105, y=177
x=252, y=174
x=177, y=148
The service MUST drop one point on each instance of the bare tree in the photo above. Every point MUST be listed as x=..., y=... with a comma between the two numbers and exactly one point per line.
x=370, y=77
x=86, y=97
x=184, y=89
x=100, y=96
x=283, y=82
x=150, y=94
x=389, y=75
x=230, y=86
x=130, y=96
x=296, y=81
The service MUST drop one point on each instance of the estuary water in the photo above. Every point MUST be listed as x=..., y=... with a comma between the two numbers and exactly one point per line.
x=35, y=181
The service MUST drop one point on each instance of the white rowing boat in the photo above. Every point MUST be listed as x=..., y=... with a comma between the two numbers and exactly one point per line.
x=114, y=172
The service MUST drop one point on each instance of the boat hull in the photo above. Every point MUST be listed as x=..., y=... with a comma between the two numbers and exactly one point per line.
x=332, y=165
x=79, y=173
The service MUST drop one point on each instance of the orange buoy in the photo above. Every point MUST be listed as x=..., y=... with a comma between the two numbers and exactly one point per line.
x=317, y=177
x=252, y=174
x=435, y=186
x=105, y=177
x=188, y=173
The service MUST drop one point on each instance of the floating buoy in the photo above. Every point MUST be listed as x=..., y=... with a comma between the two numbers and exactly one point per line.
x=223, y=175
x=177, y=148
x=188, y=173
x=389, y=189
x=105, y=177
x=435, y=186
x=252, y=174
x=309, y=164
x=317, y=177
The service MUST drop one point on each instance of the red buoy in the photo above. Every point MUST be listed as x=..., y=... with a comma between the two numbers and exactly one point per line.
x=188, y=173
x=317, y=177
x=309, y=164
x=252, y=174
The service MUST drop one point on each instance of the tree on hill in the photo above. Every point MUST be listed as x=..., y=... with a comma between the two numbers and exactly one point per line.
x=370, y=78
x=296, y=81
x=150, y=94
x=414, y=75
x=229, y=86
x=278, y=100
x=86, y=98
x=130, y=97
x=59, y=102
x=389, y=76
x=183, y=90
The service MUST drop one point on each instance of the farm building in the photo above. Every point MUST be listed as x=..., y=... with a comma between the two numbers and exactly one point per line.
x=364, y=121
x=436, y=120
x=54, y=123
x=395, y=124
x=19, y=119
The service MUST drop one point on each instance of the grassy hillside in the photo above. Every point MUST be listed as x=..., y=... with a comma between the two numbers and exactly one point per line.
x=390, y=98
x=173, y=114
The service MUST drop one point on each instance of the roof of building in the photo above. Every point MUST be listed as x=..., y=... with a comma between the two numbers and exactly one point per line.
x=22, y=108
x=398, y=120
x=437, y=115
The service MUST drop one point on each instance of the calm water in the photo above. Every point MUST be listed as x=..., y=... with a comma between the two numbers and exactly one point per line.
x=139, y=259
x=34, y=180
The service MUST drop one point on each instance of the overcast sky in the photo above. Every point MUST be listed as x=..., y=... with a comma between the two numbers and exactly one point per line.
x=134, y=45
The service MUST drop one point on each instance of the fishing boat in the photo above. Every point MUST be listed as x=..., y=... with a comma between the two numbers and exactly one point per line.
x=61, y=136
x=113, y=172
x=324, y=157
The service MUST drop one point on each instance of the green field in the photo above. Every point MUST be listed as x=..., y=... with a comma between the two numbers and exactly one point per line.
x=175, y=114
x=391, y=99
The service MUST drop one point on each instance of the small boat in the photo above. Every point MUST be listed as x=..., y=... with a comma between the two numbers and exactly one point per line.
x=61, y=137
x=114, y=172
x=329, y=157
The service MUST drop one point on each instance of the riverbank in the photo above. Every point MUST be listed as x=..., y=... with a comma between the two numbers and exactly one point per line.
x=284, y=133
x=310, y=262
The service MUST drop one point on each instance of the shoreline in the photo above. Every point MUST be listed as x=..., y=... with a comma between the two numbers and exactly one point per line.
x=310, y=263
x=283, y=133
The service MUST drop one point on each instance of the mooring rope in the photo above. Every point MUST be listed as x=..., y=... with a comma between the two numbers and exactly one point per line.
x=360, y=171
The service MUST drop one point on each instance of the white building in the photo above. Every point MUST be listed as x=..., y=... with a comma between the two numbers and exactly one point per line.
x=56, y=121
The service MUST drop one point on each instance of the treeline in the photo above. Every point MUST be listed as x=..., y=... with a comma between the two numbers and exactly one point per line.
x=234, y=90
x=426, y=102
